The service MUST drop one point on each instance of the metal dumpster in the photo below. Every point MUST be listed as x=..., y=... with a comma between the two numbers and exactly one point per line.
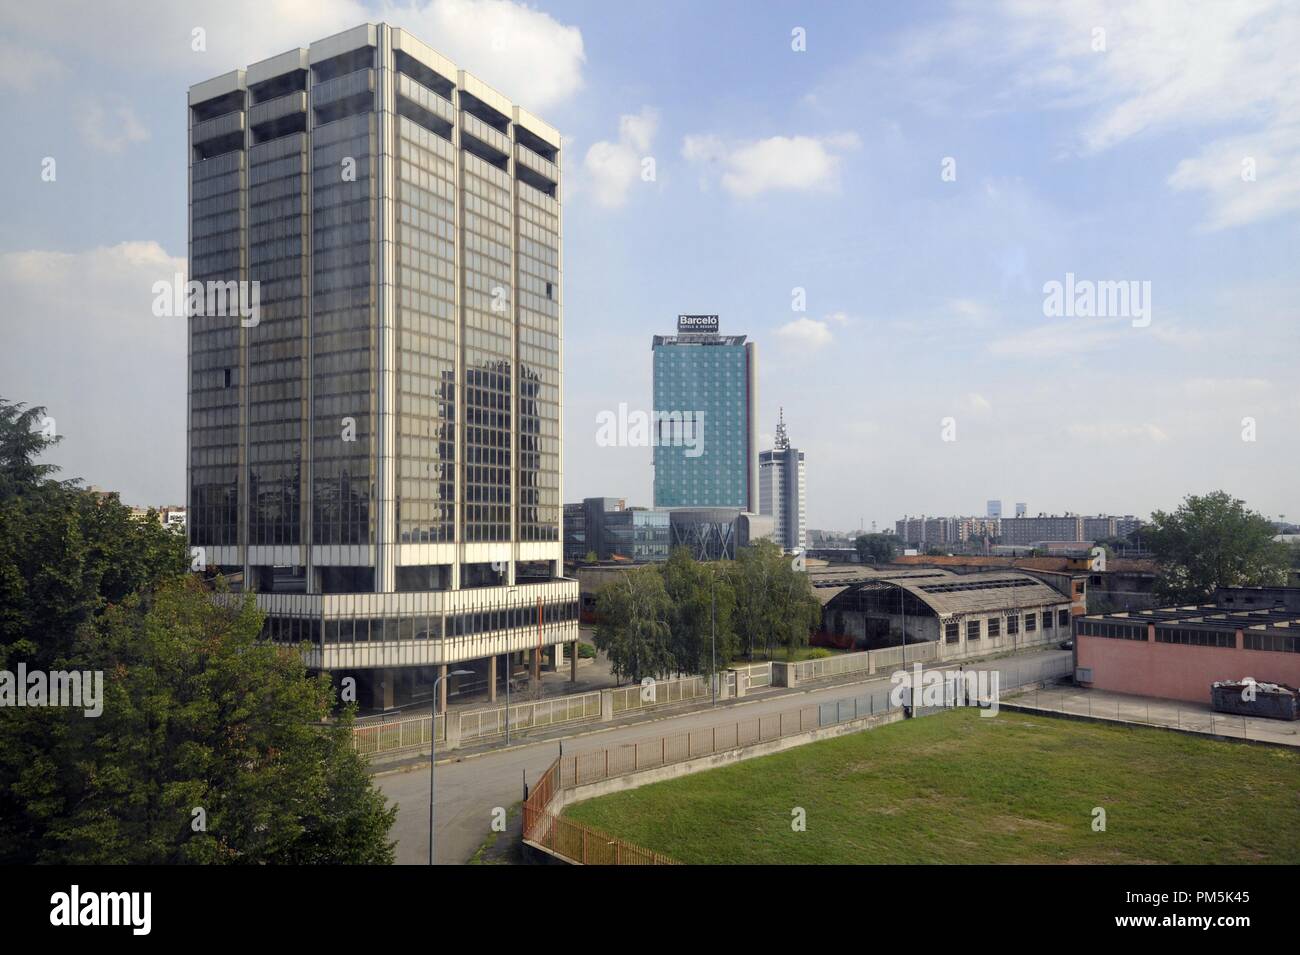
x=1250, y=697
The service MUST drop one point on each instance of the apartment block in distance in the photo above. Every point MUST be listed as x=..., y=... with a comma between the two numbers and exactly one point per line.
x=378, y=455
x=705, y=392
x=1030, y=530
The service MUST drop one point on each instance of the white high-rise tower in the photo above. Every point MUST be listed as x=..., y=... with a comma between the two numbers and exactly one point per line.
x=781, y=490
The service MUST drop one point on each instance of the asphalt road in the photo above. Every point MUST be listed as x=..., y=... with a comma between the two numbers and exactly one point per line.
x=470, y=789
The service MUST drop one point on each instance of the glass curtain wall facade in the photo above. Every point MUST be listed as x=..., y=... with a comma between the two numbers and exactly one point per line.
x=710, y=380
x=388, y=424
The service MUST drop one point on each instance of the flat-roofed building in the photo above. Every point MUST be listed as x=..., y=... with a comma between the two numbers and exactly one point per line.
x=1178, y=653
x=377, y=451
x=705, y=392
x=1030, y=530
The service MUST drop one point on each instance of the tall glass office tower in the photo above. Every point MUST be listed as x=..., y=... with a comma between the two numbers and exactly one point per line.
x=378, y=451
x=704, y=401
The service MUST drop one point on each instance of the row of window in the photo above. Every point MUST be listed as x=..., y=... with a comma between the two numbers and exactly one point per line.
x=1196, y=638
x=952, y=632
x=1115, y=631
x=419, y=627
x=1278, y=643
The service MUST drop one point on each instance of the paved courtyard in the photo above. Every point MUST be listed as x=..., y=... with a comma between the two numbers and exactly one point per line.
x=1193, y=717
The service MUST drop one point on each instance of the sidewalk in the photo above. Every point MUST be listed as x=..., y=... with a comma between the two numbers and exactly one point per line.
x=1154, y=711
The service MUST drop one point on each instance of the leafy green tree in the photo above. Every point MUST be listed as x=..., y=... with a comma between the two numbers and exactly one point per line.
x=877, y=548
x=1212, y=541
x=197, y=713
x=700, y=597
x=775, y=605
x=634, y=628
x=65, y=554
x=213, y=747
x=20, y=445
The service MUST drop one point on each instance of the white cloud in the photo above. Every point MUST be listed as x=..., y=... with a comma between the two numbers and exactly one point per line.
x=976, y=404
x=612, y=167
x=81, y=338
x=110, y=125
x=804, y=333
x=528, y=55
x=804, y=163
x=1165, y=66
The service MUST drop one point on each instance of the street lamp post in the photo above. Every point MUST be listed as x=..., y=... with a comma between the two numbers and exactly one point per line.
x=713, y=618
x=433, y=747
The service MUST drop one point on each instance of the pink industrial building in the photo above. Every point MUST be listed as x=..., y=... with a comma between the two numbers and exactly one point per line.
x=1179, y=652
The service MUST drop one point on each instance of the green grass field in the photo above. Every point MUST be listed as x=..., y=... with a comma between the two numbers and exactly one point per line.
x=958, y=788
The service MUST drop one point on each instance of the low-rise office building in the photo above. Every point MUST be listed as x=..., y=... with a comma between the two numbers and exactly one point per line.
x=1178, y=653
x=610, y=530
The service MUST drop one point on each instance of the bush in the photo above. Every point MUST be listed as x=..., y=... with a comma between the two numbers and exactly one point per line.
x=817, y=653
x=586, y=651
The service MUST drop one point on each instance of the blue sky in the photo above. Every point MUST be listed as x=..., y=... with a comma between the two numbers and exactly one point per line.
x=1115, y=155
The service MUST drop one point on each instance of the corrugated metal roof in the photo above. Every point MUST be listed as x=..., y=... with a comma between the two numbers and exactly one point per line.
x=978, y=593
x=947, y=593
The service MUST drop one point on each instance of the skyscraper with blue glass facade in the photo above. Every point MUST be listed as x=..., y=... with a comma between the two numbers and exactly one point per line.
x=703, y=423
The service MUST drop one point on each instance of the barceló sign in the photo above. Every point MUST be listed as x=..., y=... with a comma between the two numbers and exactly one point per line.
x=697, y=323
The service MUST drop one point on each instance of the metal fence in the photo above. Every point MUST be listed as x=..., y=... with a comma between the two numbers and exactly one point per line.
x=923, y=652
x=575, y=841
x=396, y=736
x=485, y=724
x=756, y=675
x=659, y=693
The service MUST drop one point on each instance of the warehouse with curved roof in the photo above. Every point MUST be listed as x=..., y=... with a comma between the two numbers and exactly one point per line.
x=982, y=612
